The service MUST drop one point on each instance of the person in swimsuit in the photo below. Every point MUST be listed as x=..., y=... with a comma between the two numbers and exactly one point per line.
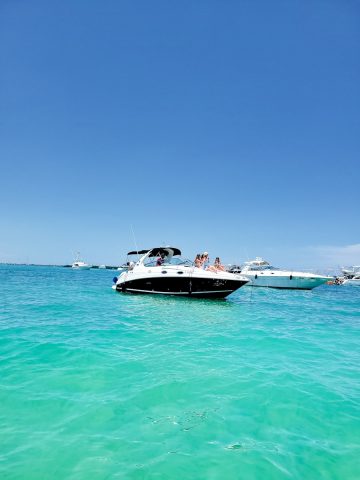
x=197, y=261
x=217, y=265
x=205, y=260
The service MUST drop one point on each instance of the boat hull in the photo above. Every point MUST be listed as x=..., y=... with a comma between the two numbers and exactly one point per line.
x=182, y=286
x=288, y=282
x=352, y=282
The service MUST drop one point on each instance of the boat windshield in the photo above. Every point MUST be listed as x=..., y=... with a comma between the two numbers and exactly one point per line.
x=261, y=268
x=176, y=261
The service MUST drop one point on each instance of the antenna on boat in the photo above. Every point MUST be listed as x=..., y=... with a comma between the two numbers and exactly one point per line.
x=133, y=234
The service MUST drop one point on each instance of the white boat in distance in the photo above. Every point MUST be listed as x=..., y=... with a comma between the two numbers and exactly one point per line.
x=350, y=272
x=160, y=270
x=352, y=281
x=79, y=264
x=262, y=274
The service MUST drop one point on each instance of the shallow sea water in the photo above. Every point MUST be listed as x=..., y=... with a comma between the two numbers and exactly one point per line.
x=96, y=384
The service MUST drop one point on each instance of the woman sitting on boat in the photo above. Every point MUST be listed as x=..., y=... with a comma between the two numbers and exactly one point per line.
x=205, y=261
x=218, y=266
x=197, y=261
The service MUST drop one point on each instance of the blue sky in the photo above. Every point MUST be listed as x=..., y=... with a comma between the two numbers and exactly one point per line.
x=231, y=127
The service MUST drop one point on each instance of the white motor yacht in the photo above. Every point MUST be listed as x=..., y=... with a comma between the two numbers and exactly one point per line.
x=355, y=280
x=262, y=274
x=350, y=272
x=161, y=270
x=80, y=264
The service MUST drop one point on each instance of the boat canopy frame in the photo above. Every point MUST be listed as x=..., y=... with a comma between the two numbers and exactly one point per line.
x=155, y=252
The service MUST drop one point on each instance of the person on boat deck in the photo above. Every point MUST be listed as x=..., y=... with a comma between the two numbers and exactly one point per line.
x=205, y=260
x=197, y=261
x=218, y=265
x=160, y=260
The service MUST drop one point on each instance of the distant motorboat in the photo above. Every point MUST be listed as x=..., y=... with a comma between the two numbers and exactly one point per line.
x=102, y=266
x=80, y=264
x=352, y=281
x=123, y=268
x=262, y=274
x=350, y=272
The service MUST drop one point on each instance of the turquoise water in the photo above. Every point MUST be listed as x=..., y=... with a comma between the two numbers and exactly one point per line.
x=96, y=384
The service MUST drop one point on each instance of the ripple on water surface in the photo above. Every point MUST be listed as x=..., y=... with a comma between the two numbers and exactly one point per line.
x=96, y=384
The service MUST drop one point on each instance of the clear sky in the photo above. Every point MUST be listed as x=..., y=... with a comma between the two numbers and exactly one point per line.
x=226, y=126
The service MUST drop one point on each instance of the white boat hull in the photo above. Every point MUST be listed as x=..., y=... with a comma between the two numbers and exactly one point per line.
x=290, y=281
x=81, y=267
x=352, y=281
x=262, y=274
x=181, y=281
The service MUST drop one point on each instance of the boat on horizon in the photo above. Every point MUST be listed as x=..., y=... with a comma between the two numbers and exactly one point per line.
x=161, y=270
x=350, y=272
x=355, y=280
x=79, y=264
x=261, y=274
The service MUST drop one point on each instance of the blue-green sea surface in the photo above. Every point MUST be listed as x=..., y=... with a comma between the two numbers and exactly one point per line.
x=96, y=384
